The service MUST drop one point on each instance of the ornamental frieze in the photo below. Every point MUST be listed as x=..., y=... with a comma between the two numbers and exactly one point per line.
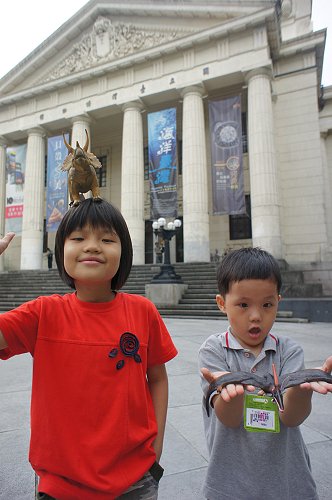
x=106, y=42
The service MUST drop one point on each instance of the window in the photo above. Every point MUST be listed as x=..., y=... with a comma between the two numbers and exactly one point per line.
x=244, y=133
x=146, y=163
x=45, y=172
x=180, y=157
x=45, y=237
x=101, y=172
x=240, y=225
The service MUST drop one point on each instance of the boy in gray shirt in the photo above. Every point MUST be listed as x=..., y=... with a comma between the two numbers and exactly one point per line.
x=263, y=456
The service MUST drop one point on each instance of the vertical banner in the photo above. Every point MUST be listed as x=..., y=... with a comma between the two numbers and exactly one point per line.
x=15, y=172
x=162, y=163
x=57, y=190
x=226, y=153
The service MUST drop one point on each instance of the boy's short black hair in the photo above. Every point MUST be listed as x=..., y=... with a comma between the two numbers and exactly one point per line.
x=247, y=264
x=97, y=214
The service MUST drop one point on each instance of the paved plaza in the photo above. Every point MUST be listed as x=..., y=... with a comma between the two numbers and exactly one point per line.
x=185, y=455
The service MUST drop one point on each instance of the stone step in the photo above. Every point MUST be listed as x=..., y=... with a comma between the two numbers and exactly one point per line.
x=199, y=314
x=211, y=308
x=17, y=287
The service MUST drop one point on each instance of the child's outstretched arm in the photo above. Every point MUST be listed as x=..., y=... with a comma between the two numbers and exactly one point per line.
x=297, y=400
x=327, y=365
x=320, y=386
x=228, y=405
x=4, y=242
x=158, y=384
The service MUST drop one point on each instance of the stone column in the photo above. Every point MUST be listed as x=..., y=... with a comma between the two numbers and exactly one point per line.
x=264, y=191
x=33, y=211
x=327, y=191
x=194, y=179
x=132, y=177
x=2, y=192
x=80, y=124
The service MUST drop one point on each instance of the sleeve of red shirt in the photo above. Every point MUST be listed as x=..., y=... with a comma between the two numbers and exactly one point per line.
x=161, y=347
x=20, y=327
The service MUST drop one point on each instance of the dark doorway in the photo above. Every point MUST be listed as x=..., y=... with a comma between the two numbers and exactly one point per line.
x=179, y=242
x=149, y=257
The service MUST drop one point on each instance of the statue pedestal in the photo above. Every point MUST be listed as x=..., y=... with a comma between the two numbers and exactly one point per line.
x=163, y=294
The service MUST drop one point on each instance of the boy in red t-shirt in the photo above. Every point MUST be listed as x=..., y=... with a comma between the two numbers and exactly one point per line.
x=100, y=387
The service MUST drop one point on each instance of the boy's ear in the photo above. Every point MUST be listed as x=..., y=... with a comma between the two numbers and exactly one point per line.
x=221, y=303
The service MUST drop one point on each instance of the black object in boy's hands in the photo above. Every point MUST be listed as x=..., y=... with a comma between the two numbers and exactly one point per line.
x=268, y=383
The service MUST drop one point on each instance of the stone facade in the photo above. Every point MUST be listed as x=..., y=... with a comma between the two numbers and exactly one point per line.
x=110, y=65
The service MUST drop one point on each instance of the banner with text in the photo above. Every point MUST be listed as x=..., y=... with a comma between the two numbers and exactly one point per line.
x=226, y=154
x=162, y=163
x=15, y=175
x=57, y=184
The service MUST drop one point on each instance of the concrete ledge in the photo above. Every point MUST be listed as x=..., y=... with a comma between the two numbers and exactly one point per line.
x=314, y=309
x=165, y=293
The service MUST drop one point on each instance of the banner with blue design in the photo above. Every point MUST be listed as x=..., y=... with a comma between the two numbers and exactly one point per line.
x=57, y=183
x=162, y=163
x=226, y=154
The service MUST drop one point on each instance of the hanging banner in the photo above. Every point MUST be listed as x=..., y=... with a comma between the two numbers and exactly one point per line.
x=162, y=163
x=15, y=172
x=57, y=189
x=226, y=154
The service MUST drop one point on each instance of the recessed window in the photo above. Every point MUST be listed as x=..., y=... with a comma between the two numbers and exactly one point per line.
x=240, y=225
x=244, y=133
x=180, y=157
x=45, y=172
x=102, y=172
x=146, y=163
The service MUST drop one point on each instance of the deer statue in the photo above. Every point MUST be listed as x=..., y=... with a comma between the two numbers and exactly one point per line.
x=81, y=165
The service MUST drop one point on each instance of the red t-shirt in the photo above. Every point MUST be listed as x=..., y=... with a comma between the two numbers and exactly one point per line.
x=92, y=417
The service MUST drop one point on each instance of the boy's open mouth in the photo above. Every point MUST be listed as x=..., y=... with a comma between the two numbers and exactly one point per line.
x=255, y=330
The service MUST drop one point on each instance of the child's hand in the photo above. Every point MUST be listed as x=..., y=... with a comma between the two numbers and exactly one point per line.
x=4, y=242
x=230, y=391
x=321, y=387
x=327, y=366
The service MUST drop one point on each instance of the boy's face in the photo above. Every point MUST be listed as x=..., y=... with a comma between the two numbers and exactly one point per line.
x=251, y=307
x=92, y=256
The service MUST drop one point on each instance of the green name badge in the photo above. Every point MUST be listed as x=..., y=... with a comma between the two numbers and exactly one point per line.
x=260, y=414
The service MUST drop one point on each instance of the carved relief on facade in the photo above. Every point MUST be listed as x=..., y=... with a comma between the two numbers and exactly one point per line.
x=106, y=42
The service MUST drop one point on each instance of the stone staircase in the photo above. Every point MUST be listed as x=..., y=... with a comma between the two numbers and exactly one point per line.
x=17, y=287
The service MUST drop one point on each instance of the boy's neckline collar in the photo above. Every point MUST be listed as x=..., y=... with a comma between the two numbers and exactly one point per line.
x=230, y=342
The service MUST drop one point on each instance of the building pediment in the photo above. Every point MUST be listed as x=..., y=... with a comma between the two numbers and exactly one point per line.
x=104, y=31
x=109, y=41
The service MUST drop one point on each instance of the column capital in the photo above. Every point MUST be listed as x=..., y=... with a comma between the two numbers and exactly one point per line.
x=286, y=8
x=198, y=90
x=37, y=131
x=258, y=72
x=84, y=117
x=136, y=105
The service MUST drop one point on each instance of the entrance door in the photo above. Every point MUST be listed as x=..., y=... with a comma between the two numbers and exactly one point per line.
x=149, y=246
x=179, y=242
x=150, y=257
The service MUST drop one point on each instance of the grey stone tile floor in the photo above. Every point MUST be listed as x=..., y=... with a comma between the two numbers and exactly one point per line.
x=185, y=455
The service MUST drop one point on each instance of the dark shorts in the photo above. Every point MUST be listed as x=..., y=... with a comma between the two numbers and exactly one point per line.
x=145, y=489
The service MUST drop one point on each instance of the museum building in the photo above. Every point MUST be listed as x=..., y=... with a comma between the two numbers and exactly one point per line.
x=113, y=64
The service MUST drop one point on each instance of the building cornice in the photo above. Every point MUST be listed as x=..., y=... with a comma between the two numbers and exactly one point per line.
x=223, y=9
x=313, y=41
x=179, y=44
